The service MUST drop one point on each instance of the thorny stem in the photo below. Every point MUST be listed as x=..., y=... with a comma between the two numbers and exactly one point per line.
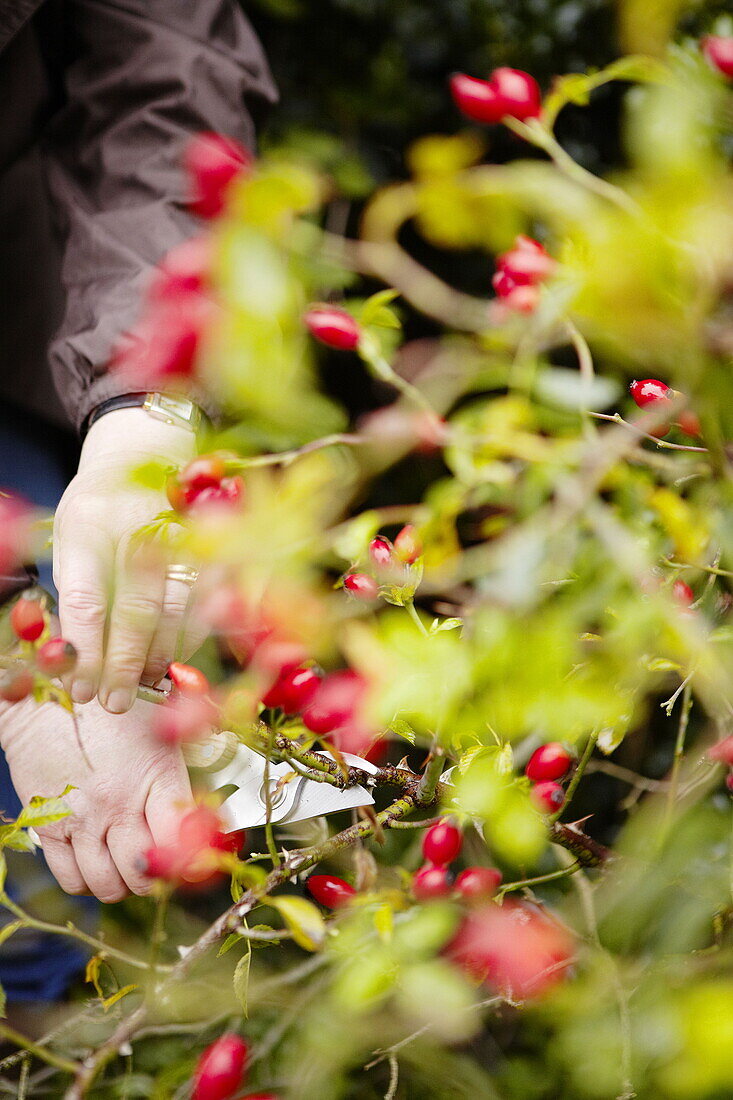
x=270, y=836
x=430, y=777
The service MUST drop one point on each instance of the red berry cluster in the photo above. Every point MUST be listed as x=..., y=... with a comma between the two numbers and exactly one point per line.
x=519, y=274
x=507, y=93
x=545, y=767
x=719, y=52
x=442, y=845
x=203, y=484
x=196, y=855
x=651, y=392
x=390, y=564
x=54, y=658
x=333, y=327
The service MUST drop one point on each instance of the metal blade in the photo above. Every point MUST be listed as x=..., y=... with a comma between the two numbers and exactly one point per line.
x=297, y=800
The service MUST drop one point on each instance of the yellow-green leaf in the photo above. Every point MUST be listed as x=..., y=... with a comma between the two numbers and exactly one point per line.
x=303, y=919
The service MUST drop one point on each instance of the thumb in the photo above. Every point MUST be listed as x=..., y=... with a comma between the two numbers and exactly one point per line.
x=169, y=798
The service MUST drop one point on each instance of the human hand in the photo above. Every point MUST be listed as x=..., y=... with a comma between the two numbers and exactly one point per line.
x=116, y=605
x=131, y=800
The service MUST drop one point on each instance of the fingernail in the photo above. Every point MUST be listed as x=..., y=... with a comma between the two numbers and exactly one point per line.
x=118, y=701
x=82, y=691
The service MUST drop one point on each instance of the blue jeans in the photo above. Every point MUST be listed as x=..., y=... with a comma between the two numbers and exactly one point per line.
x=37, y=461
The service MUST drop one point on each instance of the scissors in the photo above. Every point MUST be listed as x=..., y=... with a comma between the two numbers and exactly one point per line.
x=224, y=762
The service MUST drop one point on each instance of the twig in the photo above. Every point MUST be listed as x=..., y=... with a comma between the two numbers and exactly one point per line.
x=285, y=458
x=412, y=612
x=47, y=1056
x=616, y=418
x=563, y=872
x=394, y=1076
x=578, y=773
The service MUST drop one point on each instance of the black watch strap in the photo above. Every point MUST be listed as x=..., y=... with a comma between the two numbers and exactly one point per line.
x=122, y=401
x=169, y=407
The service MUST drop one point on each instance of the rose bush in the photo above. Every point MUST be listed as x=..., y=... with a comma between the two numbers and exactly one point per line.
x=498, y=647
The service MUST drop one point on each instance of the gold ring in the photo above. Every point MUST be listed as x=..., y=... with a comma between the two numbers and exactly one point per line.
x=183, y=573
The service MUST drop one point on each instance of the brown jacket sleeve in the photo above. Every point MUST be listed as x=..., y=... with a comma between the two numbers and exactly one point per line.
x=142, y=76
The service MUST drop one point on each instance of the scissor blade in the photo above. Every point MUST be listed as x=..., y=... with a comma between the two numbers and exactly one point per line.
x=297, y=800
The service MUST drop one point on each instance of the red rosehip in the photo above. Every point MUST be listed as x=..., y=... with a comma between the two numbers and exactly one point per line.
x=166, y=340
x=333, y=327
x=16, y=684
x=548, y=796
x=683, y=593
x=722, y=752
x=550, y=761
x=188, y=680
x=56, y=657
x=430, y=882
x=648, y=391
x=476, y=99
x=522, y=299
x=220, y=1069
x=408, y=545
x=260, y=1096
x=182, y=271
x=199, y=828
x=336, y=702
x=380, y=551
x=503, y=284
x=477, y=883
x=442, y=843
x=518, y=93
x=27, y=619
x=163, y=862
x=212, y=161
x=204, y=472
x=719, y=52
x=274, y=656
x=729, y=781
x=689, y=422
x=297, y=688
x=330, y=890
x=362, y=586
x=184, y=719
x=514, y=947
x=177, y=496
x=226, y=495
x=525, y=264
x=15, y=531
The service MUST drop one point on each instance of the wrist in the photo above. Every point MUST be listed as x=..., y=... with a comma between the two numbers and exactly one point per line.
x=132, y=432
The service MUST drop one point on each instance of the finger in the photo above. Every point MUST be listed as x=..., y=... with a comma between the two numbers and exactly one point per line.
x=83, y=575
x=177, y=618
x=136, y=610
x=97, y=868
x=59, y=855
x=127, y=843
x=169, y=798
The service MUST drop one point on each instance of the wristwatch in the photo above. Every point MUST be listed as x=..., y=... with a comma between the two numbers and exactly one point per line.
x=168, y=407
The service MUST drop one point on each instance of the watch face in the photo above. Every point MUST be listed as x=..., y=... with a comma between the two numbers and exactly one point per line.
x=174, y=409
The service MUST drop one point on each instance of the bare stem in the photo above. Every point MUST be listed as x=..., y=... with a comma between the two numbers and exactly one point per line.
x=47, y=1056
x=563, y=872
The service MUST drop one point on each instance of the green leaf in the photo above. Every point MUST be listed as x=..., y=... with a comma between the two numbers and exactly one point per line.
x=375, y=311
x=662, y=664
x=438, y=625
x=241, y=979
x=152, y=475
x=403, y=729
x=10, y=929
x=229, y=942
x=303, y=919
x=577, y=87
x=44, y=811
